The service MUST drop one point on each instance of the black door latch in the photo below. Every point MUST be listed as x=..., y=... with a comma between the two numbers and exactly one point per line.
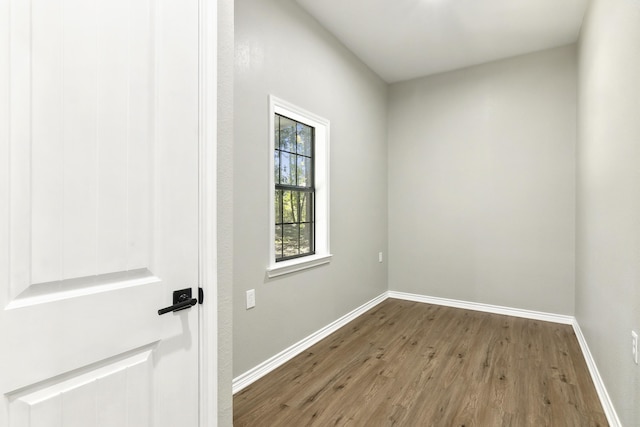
x=181, y=301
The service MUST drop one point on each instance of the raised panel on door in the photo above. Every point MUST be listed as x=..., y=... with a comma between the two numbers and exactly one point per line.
x=82, y=127
x=113, y=395
x=99, y=208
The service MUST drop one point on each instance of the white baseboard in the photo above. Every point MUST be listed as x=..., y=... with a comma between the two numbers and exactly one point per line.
x=487, y=308
x=287, y=354
x=605, y=400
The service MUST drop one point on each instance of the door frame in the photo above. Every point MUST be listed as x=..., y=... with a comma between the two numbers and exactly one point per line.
x=207, y=140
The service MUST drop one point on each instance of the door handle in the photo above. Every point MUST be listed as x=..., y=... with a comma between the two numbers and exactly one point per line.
x=181, y=301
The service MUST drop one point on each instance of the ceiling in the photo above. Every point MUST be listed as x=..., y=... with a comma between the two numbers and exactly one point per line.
x=404, y=39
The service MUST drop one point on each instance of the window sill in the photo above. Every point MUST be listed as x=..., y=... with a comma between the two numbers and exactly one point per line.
x=291, y=266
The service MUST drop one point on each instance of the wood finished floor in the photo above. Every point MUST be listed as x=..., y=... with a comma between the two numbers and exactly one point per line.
x=412, y=364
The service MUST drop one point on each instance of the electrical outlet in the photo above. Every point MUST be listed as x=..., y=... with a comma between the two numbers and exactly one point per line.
x=251, y=298
x=379, y=256
x=634, y=346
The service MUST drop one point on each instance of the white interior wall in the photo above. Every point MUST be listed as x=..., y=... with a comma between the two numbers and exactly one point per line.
x=482, y=183
x=608, y=202
x=224, y=209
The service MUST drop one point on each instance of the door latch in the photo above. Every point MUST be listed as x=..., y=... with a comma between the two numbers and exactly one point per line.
x=181, y=301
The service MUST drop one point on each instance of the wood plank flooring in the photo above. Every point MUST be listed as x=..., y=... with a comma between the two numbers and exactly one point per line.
x=412, y=364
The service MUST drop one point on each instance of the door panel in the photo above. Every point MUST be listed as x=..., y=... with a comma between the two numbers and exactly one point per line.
x=98, y=211
x=112, y=395
x=87, y=167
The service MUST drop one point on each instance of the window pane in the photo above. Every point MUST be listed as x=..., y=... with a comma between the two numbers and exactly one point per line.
x=290, y=206
x=293, y=168
x=278, y=206
x=276, y=166
x=305, y=139
x=304, y=171
x=291, y=236
x=306, y=206
x=305, y=238
x=287, y=134
x=278, y=241
x=287, y=173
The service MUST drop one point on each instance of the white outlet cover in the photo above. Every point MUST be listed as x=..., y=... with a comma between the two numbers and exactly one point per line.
x=634, y=346
x=251, y=298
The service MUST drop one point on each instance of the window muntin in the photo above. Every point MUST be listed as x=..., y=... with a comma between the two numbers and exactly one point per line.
x=294, y=202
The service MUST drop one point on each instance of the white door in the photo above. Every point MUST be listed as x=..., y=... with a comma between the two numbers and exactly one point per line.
x=98, y=212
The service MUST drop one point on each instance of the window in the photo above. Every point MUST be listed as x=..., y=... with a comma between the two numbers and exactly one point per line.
x=299, y=205
x=293, y=176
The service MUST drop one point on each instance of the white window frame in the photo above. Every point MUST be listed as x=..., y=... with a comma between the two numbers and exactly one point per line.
x=321, y=181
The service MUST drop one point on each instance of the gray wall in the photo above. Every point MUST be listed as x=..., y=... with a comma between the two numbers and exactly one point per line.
x=482, y=183
x=281, y=50
x=608, y=197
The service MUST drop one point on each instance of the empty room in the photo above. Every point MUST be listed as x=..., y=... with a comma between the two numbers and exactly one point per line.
x=436, y=213
x=270, y=213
